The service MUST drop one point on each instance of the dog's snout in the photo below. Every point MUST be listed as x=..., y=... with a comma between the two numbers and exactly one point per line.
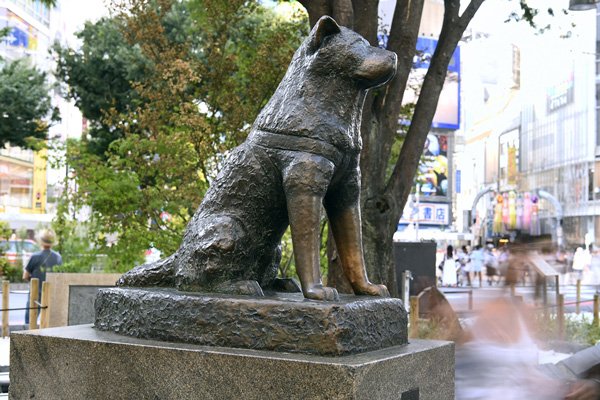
x=378, y=68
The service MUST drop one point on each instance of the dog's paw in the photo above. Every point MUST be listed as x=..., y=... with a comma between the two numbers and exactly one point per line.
x=372, y=289
x=319, y=292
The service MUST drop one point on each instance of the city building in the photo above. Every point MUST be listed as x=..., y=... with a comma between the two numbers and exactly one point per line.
x=27, y=183
x=529, y=140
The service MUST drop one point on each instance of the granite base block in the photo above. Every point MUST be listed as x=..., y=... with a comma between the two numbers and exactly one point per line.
x=79, y=362
x=279, y=322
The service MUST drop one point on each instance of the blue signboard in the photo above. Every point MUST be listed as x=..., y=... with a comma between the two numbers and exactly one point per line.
x=447, y=115
x=18, y=38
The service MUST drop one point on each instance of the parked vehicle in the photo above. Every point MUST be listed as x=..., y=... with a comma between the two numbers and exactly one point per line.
x=18, y=251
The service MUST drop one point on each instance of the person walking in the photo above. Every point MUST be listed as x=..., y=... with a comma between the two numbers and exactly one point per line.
x=464, y=262
x=581, y=262
x=491, y=265
x=449, y=268
x=595, y=267
x=503, y=258
x=477, y=258
x=41, y=262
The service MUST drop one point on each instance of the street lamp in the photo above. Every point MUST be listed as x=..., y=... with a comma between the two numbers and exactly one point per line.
x=582, y=5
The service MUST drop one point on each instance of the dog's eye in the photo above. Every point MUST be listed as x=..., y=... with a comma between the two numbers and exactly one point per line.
x=360, y=42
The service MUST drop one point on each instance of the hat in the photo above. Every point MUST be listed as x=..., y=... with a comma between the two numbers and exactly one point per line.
x=47, y=237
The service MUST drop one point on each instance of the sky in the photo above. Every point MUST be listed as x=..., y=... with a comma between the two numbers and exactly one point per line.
x=76, y=12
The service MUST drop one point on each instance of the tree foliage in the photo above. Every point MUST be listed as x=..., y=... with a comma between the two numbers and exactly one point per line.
x=26, y=110
x=99, y=77
x=183, y=82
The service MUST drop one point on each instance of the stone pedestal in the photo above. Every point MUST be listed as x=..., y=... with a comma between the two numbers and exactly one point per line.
x=80, y=362
x=279, y=322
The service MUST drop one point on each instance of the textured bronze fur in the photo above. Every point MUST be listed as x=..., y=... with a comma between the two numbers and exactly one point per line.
x=302, y=154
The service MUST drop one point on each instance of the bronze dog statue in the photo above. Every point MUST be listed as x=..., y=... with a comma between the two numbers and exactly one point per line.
x=302, y=153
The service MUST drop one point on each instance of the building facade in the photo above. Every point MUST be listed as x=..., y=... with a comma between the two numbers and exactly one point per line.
x=28, y=184
x=530, y=134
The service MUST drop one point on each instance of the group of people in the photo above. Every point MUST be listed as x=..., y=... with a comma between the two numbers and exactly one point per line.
x=463, y=266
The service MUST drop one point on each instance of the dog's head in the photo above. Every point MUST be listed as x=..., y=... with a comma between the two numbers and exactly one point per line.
x=339, y=51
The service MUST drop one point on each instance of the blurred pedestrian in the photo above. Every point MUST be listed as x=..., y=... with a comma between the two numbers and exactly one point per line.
x=41, y=262
x=595, y=267
x=503, y=258
x=517, y=265
x=498, y=358
x=449, y=268
x=464, y=265
x=491, y=265
x=581, y=261
x=477, y=263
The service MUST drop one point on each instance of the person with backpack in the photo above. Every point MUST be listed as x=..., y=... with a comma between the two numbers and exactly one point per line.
x=41, y=262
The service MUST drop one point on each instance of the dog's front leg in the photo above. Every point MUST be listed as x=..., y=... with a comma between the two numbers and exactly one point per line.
x=305, y=179
x=305, y=216
x=342, y=206
x=346, y=228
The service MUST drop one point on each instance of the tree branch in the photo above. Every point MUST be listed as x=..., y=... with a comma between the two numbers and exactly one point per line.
x=451, y=8
x=380, y=118
x=400, y=182
x=470, y=12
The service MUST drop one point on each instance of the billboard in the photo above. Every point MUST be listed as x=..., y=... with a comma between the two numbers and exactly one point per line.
x=22, y=34
x=447, y=115
x=432, y=173
x=560, y=94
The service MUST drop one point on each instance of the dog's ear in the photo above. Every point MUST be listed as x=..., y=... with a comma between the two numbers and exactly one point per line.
x=325, y=26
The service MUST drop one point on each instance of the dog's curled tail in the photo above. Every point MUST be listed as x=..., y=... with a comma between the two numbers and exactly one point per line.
x=158, y=273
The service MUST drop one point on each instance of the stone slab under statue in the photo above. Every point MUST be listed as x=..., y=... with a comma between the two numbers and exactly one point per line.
x=82, y=363
x=278, y=322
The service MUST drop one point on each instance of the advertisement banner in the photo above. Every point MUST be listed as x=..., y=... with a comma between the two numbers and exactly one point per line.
x=447, y=115
x=432, y=173
x=561, y=94
x=21, y=34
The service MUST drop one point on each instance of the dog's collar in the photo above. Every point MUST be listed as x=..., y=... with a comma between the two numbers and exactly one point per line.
x=293, y=142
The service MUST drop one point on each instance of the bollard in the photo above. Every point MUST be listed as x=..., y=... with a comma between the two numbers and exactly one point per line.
x=414, y=316
x=560, y=316
x=578, y=296
x=34, y=285
x=44, y=302
x=470, y=300
x=5, y=296
x=513, y=291
x=596, y=309
x=405, y=284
